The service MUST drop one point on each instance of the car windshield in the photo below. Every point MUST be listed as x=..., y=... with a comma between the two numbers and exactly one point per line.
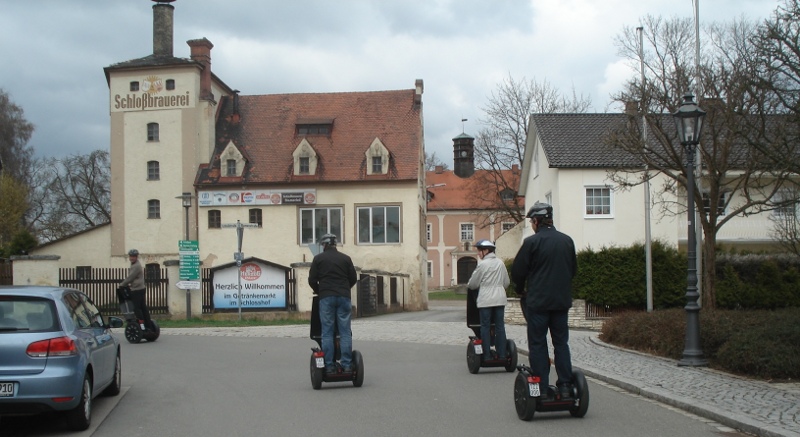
x=22, y=313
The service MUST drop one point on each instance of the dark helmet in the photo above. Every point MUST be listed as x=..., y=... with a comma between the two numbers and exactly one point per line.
x=540, y=210
x=485, y=244
x=133, y=252
x=327, y=240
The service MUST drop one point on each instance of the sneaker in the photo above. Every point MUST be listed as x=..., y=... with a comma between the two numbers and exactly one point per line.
x=330, y=369
x=348, y=369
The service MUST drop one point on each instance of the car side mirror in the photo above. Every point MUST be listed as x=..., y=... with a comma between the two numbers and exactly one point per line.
x=115, y=322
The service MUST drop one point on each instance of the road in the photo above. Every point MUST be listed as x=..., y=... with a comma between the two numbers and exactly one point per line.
x=254, y=386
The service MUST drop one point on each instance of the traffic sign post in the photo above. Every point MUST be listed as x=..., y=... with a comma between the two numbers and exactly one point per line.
x=238, y=256
x=189, y=270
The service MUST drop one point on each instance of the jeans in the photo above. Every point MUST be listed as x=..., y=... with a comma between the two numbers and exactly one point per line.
x=487, y=314
x=538, y=324
x=335, y=311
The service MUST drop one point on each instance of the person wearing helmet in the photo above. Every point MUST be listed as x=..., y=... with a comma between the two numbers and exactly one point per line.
x=490, y=278
x=135, y=280
x=331, y=276
x=542, y=273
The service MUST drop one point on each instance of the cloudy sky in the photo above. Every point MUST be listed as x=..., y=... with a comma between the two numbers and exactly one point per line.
x=52, y=52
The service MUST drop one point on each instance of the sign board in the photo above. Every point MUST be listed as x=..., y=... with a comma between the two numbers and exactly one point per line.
x=189, y=268
x=257, y=197
x=263, y=286
x=188, y=285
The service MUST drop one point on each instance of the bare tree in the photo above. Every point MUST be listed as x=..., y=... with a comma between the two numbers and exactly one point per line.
x=13, y=204
x=737, y=179
x=500, y=145
x=433, y=161
x=76, y=196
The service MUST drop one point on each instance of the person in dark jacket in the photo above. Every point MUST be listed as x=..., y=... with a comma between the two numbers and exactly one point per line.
x=331, y=276
x=135, y=280
x=542, y=272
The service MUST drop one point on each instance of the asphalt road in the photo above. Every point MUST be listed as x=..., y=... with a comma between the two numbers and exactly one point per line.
x=256, y=386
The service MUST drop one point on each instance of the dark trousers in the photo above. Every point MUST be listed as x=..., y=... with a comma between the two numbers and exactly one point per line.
x=539, y=322
x=140, y=307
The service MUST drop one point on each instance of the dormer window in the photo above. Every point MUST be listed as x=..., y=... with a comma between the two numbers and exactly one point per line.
x=231, y=166
x=377, y=158
x=314, y=129
x=231, y=161
x=305, y=159
x=507, y=195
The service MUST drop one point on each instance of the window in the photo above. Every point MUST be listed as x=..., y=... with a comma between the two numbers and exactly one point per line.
x=134, y=86
x=152, y=131
x=507, y=226
x=305, y=166
x=598, y=201
x=214, y=219
x=231, y=167
x=377, y=165
x=152, y=171
x=316, y=222
x=723, y=197
x=170, y=84
x=430, y=269
x=507, y=195
x=467, y=232
x=313, y=129
x=788, y=209
x=152, y=272
x=429, y=232
x=379, y=224
x=83, y=272
x=153, y=209
x=255, y=217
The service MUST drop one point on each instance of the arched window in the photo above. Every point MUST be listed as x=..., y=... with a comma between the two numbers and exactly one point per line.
x=153, y=173
x=152, y=131
x=153, y=209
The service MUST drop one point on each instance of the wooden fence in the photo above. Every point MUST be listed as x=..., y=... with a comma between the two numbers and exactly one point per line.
x=100, y=284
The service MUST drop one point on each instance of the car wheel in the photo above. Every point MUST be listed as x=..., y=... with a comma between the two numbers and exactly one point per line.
x=358, y=363
x=116, y=384
x=582, y=389
x=473, y=359
x=133, y=333
x=524, y=403
x=80, y=417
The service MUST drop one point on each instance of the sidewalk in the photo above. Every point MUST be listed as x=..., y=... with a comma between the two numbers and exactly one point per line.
x=754, y=407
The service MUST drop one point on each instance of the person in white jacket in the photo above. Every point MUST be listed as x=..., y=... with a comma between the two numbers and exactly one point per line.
x=490, y=278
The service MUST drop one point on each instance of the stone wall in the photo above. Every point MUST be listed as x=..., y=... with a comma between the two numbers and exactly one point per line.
x=577, y=315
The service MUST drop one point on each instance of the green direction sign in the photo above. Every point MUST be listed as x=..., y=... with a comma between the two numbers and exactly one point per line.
x=189, y=251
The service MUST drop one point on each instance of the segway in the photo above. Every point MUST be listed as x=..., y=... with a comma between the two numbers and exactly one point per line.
x=528, y=395
x=476, y=348
x=317, y=365
x=135, y=329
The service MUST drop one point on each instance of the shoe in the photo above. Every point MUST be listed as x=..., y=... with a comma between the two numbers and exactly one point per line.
x=565, y=391
x=348, y=369
x=330, y=369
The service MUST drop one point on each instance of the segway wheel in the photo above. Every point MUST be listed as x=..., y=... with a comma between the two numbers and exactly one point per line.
x=154, y=332
x=133, y=333
x=523, y=401
x=358, y=364
x=511, y=350
x=473, y=359
x=582, y=389
x=316, y=374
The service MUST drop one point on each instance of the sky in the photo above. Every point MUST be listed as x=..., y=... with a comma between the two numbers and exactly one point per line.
x=52, y=52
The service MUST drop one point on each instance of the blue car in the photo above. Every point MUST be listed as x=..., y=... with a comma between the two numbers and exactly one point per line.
x=56, y=353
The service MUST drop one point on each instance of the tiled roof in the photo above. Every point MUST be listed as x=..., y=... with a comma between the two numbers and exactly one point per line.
x=265, y=133
x=451, y=192
x=576, y=140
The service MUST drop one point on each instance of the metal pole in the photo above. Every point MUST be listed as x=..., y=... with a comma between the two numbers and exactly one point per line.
x=648, y=249
x=188, y=291
x=239, y=235
x=698, y=164
x=692, y=353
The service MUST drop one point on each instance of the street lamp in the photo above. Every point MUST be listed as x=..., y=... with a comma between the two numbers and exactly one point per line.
x=689, y=122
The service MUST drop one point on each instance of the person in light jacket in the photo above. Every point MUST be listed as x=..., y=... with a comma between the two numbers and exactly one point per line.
x=490, y=278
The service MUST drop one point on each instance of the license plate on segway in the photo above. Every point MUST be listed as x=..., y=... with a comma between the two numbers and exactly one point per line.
x=534, y=389
x=320, y=362
x=478, y=349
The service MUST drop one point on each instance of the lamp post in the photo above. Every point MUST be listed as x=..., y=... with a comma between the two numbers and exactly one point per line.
x=689, y=122
x=186, y=200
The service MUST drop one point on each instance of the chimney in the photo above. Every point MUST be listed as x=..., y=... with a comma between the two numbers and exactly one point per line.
x=418, y=89
x=201, y=53
x=439, y=169
x=162, y=27
x=463, y=155
x=632, y=108
x=235, y=113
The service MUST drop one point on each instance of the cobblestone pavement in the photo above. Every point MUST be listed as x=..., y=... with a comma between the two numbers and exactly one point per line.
x=754, y=407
